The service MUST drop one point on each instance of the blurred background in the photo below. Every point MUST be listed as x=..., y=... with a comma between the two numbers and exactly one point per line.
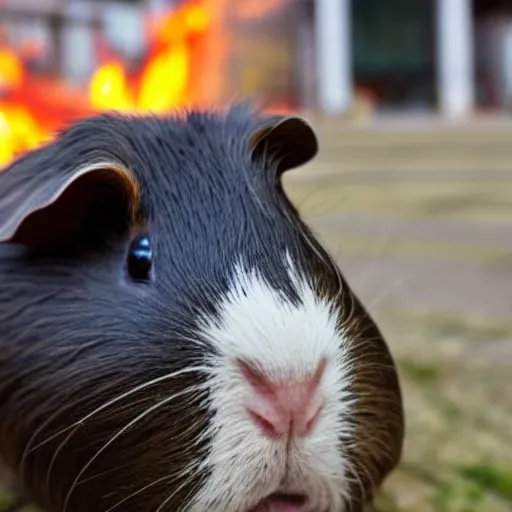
x=412, y=190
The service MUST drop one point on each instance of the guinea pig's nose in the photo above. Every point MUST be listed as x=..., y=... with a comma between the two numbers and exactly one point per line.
x=284, y=409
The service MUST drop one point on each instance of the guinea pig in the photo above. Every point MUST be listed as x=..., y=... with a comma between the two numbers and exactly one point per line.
x=173, y=337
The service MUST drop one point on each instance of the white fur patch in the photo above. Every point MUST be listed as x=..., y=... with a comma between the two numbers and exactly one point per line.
x=286, y=341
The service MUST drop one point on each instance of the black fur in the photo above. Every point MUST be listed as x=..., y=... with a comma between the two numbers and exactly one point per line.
x=76, y=331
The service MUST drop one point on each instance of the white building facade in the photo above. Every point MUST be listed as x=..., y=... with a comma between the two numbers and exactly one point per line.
x=458, y=43
x=448, y=56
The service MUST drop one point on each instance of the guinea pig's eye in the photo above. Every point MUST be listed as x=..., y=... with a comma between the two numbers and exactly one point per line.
x=140, y=258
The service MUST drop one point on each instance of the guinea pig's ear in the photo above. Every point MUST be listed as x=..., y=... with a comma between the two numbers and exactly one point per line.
x=45, y=205
x=288, y=142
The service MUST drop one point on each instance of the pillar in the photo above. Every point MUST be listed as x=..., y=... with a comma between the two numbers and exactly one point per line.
x=456, y=80
x=77, y=40
x=334, y=55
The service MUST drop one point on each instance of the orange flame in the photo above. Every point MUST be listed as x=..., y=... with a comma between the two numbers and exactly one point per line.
x=29, y=114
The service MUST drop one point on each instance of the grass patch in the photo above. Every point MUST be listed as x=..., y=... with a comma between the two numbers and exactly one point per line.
x=422, y=373
x=490, y=479
x=456, y=415
x=450, y=411
x=456, y=495
x=11, y=503
x=384, y=502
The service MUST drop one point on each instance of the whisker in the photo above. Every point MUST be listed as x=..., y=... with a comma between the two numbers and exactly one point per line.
x=140, y=491
x=130, y=424
x=63, y=443
x=397, y=284
x=50, y=418
x=171, y=496
x=185, y=445
x=351, y=317
x=119, y=398
x=190, y=389
x=152, y=484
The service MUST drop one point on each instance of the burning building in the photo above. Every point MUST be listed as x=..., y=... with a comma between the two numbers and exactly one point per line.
x=63, y=59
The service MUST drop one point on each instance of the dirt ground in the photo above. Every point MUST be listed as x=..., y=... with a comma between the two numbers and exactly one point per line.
x=420, y=219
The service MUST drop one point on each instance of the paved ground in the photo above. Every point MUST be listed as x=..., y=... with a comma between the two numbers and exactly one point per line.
x=437, y=258
x=437, y=281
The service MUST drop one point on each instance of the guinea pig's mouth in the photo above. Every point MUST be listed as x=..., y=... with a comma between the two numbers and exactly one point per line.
x=282, y=502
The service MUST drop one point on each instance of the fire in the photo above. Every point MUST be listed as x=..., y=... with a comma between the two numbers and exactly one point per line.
x=32, y=108
x=11, y=69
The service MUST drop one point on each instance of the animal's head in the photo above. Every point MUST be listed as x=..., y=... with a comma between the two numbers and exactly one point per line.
x=173, y=336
